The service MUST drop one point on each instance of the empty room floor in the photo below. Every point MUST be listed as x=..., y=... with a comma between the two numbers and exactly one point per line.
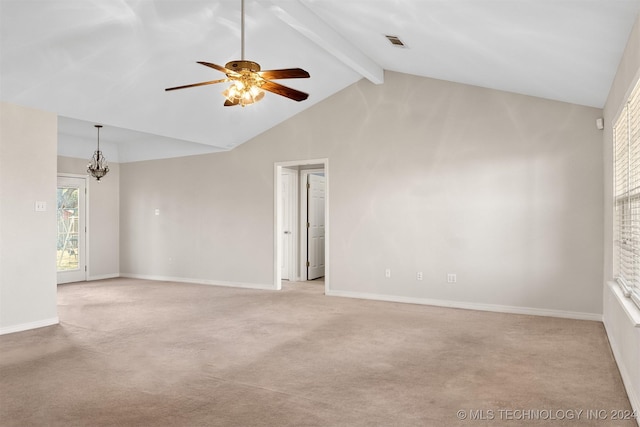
x=136, y=353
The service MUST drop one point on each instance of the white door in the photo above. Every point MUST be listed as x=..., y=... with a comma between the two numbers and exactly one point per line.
x=70, y=255
x=288, y=221
x=315, y=226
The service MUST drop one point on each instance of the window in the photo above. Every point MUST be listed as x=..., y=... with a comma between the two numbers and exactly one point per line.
x=626, y=143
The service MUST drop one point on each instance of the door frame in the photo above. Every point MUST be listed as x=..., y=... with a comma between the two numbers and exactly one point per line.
x=86, y=219
x=277, y=229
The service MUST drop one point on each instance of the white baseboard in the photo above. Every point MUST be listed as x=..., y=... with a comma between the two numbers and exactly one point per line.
x=469, y=305
x=27, y=326
x=103, y=277
x=268, y=286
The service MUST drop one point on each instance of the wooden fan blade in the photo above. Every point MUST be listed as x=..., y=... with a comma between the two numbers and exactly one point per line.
x=279, y=89
x=197, y=84
x=287, y=73
x=217, y=67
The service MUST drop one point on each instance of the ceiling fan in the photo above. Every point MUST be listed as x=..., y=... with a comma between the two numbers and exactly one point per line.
x=248, y=83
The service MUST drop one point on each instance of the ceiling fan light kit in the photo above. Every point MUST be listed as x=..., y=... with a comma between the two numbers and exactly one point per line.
x=248, y=83
x=245, y=89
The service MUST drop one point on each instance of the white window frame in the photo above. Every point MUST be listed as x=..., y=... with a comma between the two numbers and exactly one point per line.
x=626, y=191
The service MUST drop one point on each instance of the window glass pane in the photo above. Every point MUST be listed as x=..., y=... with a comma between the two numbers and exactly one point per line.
x=67, y=254
x=626, y=146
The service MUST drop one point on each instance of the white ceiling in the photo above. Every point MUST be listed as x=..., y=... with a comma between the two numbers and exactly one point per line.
x=108, y=61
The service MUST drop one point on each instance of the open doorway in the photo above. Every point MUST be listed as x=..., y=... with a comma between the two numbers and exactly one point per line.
x=301, y=223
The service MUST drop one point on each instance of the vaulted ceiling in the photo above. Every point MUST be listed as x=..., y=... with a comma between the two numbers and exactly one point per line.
x=109, y=61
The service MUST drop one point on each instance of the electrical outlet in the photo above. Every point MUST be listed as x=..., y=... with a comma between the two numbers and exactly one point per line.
x=451, y=278
x=387, y=273
x=419, y=275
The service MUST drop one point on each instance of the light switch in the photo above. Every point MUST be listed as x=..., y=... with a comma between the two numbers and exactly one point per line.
x=41, y=206
x=157, y=211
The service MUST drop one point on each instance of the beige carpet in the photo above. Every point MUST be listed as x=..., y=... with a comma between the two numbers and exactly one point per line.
x=140, y=353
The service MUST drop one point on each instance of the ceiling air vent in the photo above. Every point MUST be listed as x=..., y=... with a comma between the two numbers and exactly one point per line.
x=395, y=40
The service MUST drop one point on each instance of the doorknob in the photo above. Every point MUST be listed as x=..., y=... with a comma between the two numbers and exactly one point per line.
x=287, y=232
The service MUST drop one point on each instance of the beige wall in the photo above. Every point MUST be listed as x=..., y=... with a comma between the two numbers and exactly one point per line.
x=502, y=189
x=104, y=217
x=28, y=141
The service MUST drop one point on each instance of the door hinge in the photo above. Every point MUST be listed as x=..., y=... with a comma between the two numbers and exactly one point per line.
x=308, y=185
x=85, y=268
x=308, y=225
x=308, y=265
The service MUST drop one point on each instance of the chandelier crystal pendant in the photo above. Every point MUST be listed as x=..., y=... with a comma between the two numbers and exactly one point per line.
x=98, y=166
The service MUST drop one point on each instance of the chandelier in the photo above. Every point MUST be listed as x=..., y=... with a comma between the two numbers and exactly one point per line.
x=98, y=166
